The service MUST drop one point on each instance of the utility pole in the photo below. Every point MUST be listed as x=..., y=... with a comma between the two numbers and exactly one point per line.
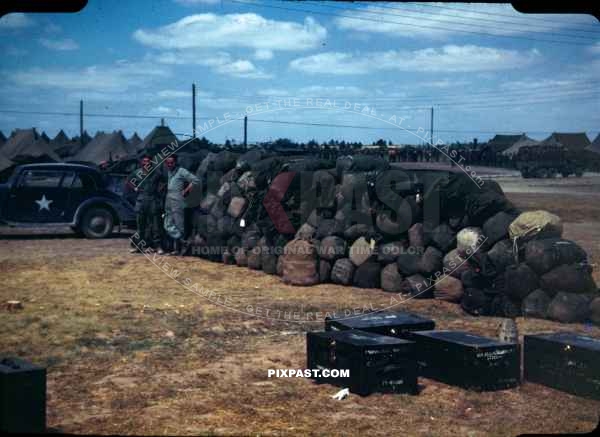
x=193, y=110
x=81, y=123
x=246, y=132
x=431, y=129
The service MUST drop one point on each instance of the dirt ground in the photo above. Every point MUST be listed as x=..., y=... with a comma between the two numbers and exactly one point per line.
x=130, y=351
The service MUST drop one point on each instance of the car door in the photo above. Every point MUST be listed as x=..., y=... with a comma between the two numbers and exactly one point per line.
x=37, y=197
x=82, y=187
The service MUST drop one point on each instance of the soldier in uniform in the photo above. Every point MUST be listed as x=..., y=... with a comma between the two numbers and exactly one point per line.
x=180, y=183
x=149, y=186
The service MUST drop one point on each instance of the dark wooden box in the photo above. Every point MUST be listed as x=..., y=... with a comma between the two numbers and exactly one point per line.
x=22, y=396
x=467, y=360
x=395, y=324
x=376, y=363
x=565, y=361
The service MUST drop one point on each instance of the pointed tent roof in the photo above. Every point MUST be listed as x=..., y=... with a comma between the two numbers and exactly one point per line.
x=502, y=142
x=45, y=137
x=514, y=149
x=86, y=138
x=134, y=141
x=5, y=162
x=60, y=140
x=105, y=147
x=159, y=137
x=572, y=141
x=595, y=146
x=28, y=143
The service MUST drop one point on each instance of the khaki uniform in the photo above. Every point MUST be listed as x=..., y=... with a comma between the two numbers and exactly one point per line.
x=148, y=206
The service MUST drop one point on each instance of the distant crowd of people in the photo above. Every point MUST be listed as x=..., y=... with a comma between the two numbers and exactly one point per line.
x=429, y=154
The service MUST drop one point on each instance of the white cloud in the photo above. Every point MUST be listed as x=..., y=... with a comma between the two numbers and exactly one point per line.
x=174, y=94
x=595, y=48
x=536, y=82
x=449, y=58
x=192, y=57
x=166, y=110
x=15, y=51
x=59, y=44
x=233, y=30
x=242, y=68
x=219, y=62
x=117, y=77
x=325, y=91
x=52, y=28
x=443, y=83
x=273, y=92
x=180, y=94
x=197, y=2
x=417, y=21
x=16, y=20
x=263, y=55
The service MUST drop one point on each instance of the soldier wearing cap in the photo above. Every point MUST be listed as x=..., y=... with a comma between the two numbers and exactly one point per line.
x=180, y=183
x=148, y=183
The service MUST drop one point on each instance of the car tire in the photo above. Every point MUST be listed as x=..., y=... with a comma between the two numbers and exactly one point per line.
x=97, y=223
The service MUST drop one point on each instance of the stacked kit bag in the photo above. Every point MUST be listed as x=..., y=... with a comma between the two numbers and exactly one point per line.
x=356, y=222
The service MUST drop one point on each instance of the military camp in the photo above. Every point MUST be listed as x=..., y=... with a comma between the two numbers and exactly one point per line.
x=281, y=218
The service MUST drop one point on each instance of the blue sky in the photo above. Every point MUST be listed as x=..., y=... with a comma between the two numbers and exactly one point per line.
x=484, y=68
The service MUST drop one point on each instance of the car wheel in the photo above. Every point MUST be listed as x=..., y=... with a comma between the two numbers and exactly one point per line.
x=97, y=223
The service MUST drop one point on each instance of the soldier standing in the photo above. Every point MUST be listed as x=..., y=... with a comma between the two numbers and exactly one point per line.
x=148, y=185
x=180, y=183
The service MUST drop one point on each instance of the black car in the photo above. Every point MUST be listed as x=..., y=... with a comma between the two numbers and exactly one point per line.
x=63, y=194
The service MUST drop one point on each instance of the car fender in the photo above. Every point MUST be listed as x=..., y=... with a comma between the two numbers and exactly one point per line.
x=120, y=212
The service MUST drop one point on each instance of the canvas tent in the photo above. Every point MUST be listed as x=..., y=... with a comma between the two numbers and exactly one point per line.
x=26, y=145
x=595, y=146
x=5, y=166
x=134, y=141
x=514, y=149
x=86, y=139
x=572, y=141
x=105, y=147
x=159, y=137
x=60, y=140
x=491, y=152
x=502, y=142
x=63, y=146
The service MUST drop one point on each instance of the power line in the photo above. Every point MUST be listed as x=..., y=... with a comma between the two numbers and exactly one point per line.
x=297, y=123
x=372, y=12
x=154, y=117
x=514, y=102
x=458, y=17
x=486, y=94
x=518, y=103
x=407, y=24
x=487, y=102
x=521, y=16
x=400, y=106
x=317, y=124
x=567, y=96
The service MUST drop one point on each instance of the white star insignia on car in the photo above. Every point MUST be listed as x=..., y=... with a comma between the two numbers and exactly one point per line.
x=44, y=203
